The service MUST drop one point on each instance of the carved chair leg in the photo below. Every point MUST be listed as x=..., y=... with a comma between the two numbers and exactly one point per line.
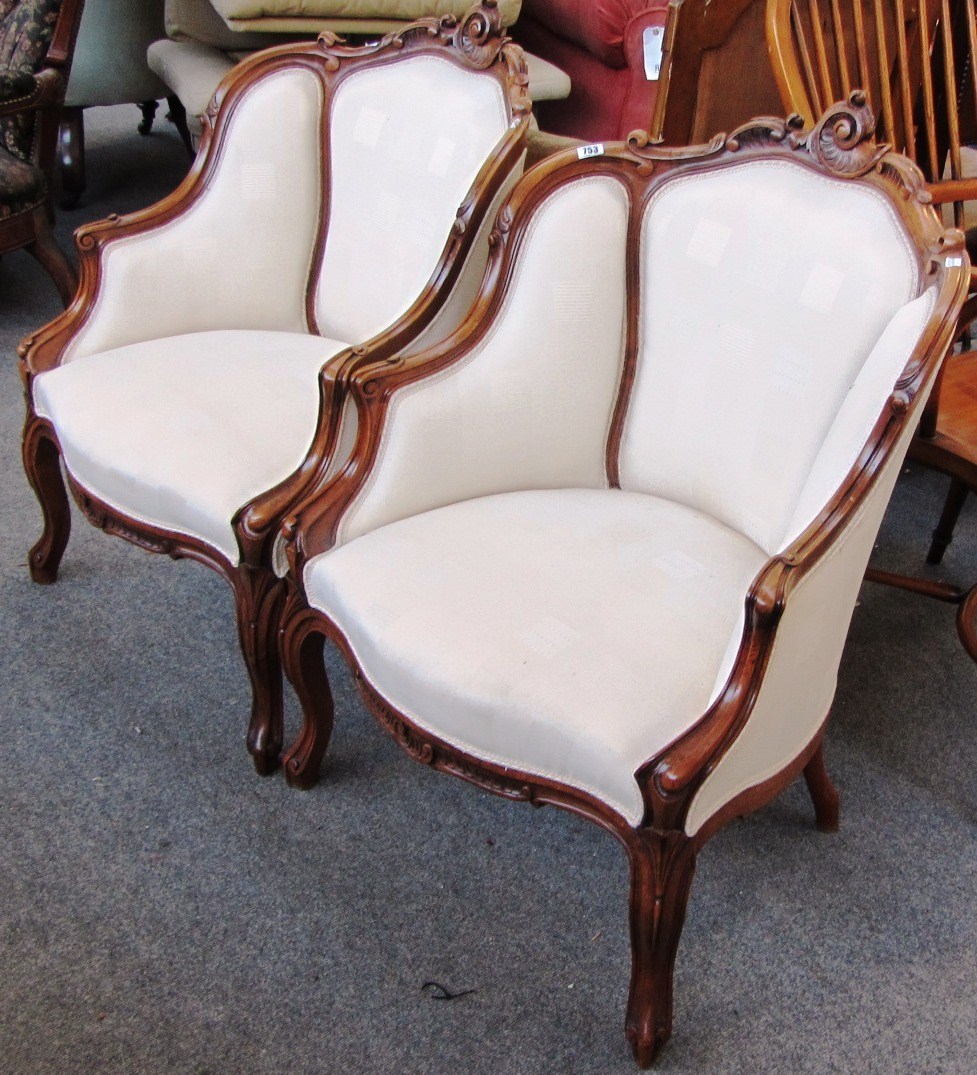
x=52, y=258
x=42, y=464
x=260, y=598
x=824, y=795
x=662, y=867
x=148, y=109
x=302, y=653
x=72, y=149
x=177, y=115
x=943, y=534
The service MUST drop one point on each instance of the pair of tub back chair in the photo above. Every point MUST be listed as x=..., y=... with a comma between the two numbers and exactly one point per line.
x=600, y=546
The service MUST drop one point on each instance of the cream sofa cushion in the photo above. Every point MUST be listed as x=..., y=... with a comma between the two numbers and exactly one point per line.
x=747, y=377
x=197, y=20
x=181, y=432
x=570, y=633
x=401, y=11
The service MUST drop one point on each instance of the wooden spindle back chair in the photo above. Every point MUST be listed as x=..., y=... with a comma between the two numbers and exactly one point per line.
x=915, y=59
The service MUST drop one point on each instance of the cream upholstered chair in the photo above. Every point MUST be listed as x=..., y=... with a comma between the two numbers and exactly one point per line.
x=601, y=549
x=337, y=191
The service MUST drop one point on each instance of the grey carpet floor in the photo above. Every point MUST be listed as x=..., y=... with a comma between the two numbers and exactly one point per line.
x=165, y=910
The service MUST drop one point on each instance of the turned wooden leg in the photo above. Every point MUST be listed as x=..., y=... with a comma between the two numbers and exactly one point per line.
x=72, y=146
x=302, y=646
x=42, y=464
x=259, y=598
x=943, y=534
x=177, y=115
x=824, y=795
x=662, y=866
x=148, y=109
x=52, y=258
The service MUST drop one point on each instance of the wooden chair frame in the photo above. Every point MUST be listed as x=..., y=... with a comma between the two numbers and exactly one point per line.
x=661, y=854
x=921, y=113
x=31, y=230
x=477, y=43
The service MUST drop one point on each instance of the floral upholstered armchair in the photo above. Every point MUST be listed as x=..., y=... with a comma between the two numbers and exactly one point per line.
x=36, y=42
x=340, y=196
x=601, y=549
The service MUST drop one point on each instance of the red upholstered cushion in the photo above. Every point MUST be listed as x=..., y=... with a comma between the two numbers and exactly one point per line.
x=599, y=26
x=599, y=45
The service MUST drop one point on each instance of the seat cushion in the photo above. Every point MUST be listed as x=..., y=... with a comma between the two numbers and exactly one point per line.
x=569, y=633
x=184, y=431
x=22, y=186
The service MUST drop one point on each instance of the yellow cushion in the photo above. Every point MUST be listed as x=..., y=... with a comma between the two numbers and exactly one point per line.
x=281, y=15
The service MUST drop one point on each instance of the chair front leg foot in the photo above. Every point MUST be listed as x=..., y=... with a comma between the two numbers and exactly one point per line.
x=42, y=464
x=824, y=795
x=302, y=655
x=148, y=109
x=260, y=598
x=662, y=867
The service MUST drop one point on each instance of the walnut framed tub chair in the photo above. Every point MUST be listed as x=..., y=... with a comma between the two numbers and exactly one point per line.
x=340, y=195
x=601, y=548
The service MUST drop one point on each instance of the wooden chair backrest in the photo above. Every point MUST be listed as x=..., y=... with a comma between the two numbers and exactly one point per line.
x=915, y=60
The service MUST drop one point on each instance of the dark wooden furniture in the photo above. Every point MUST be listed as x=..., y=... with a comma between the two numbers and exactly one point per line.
x=249, y=258
x=37, y=39
x=915, y=59
x=507, y=561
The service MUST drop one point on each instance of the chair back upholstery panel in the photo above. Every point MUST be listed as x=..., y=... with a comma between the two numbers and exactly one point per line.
x=530, y=406
x=258, y=213
x=755, y=321
x=407, y=141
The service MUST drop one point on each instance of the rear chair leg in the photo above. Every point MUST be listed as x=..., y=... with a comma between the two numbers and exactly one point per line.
x=42, y=464
x=824, y=795
x=302, y=656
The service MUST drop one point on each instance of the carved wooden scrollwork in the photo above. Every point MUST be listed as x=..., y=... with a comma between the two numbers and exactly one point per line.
x=844, y=139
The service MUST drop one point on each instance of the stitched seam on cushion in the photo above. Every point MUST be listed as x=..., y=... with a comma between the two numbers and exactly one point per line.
x=456, y=367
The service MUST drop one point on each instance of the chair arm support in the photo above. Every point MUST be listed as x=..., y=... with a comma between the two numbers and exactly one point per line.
x=46, y=89
x=797, y=615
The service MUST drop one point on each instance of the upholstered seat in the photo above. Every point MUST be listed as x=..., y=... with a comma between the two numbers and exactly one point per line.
x=570, y=633
x=342, y=195
x=182, y=432
x=602, y=547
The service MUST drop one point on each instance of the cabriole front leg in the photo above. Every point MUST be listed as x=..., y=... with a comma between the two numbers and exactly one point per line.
x=662, y=866
x=42, y=464
x=302, y=653
x=260, y=598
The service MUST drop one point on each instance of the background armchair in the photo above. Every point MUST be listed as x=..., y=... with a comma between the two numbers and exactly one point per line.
x=337, y=191
x=601, y=549
x=37, y=38
x=109, y=68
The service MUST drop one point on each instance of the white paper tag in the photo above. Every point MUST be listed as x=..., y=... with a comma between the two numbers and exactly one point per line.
x=653, y=40
x=594, y=150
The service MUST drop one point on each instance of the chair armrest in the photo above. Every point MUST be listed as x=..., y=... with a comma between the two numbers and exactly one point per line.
x=26, y=92
x=782, y=671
